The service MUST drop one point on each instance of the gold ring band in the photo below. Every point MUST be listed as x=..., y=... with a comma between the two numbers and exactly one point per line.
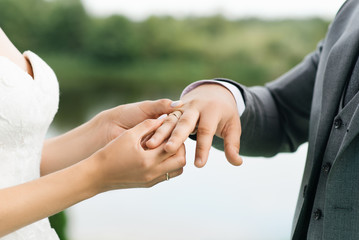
x=167, y=176
x=177, y=114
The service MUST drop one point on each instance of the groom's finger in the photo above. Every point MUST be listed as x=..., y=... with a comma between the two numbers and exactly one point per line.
x=163, y=132
x=144, y=128
x=231, y=137
x=206, y=129
x=183, y=129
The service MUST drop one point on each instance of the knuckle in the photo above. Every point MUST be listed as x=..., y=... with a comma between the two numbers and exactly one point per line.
x=103, y=155
x=204, y=130
x=175, y=134
x=194, y=103
x=171, y=148
x=170, y=120
x=182, y=150
x=185, y=121
x=182, y=161
x=228, y=145
x=202, y=147
x=147, y=177
x=164, y=101
x=159, y=132
x=148, y=122
x=144, y=164
x=128, y=135
x=154, y=137
x=177, y=173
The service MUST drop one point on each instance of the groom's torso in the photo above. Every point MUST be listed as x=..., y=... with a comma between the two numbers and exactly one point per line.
x=328, y=206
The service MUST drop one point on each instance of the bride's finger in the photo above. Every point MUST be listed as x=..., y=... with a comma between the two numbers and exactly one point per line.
x=165, y=177
x=176, y=161
x=145, y=139
x=165, y=130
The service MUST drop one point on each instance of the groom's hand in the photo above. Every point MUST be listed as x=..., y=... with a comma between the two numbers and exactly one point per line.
x=208, y=110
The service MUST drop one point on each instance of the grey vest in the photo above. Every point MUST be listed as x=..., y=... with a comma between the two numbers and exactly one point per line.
x=347, y=107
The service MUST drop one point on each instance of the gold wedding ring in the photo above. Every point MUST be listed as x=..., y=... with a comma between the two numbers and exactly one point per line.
x=177, y=114
x=167, y=176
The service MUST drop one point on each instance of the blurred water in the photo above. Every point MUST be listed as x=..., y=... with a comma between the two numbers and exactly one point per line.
x=253, y=202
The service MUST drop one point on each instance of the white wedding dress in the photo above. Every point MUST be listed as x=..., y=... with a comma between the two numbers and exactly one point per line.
x=27, y=107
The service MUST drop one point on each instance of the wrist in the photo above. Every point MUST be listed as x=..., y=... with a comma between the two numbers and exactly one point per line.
x=92, y=175
x=98, y=126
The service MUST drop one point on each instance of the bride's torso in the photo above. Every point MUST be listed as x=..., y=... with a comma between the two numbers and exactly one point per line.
x=27, y=108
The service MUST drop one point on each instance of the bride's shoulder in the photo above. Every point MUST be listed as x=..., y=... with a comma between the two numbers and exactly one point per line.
x=39, y=67
x=11, y=74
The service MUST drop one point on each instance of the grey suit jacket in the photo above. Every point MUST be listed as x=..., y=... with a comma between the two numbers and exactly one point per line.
x=301, y=106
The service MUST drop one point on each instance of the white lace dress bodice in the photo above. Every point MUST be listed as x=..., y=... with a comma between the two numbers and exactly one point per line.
x=27, y=107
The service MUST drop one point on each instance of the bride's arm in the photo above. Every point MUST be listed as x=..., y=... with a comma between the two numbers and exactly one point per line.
x=123, y=163
x=27, y=203
x=67, y=149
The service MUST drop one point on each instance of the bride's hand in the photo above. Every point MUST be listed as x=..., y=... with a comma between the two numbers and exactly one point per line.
x=81, y=142
x=124, y=163
x=115, y=121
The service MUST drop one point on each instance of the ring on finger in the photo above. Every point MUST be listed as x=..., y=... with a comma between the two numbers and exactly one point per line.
x=177, y=114
x=167, y=176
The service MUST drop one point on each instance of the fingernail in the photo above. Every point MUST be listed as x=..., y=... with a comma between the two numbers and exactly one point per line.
x=162, y=116
x=176, y=103
x=150, y=141
x=198, y=160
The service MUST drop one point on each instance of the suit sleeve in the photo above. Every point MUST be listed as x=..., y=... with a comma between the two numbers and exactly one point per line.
x=276, y=116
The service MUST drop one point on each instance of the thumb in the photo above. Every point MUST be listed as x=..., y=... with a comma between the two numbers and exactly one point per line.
x=146, y=127
x=159, y=107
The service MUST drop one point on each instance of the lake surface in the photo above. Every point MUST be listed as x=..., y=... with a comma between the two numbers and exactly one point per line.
x=255, y=201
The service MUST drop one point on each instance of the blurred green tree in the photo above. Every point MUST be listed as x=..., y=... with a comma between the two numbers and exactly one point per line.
x=65, y=28
x=113, y=39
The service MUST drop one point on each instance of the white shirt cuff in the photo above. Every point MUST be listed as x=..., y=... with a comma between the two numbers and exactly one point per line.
x=233, y=89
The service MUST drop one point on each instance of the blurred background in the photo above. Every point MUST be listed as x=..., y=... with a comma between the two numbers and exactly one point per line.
x=109, y=52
